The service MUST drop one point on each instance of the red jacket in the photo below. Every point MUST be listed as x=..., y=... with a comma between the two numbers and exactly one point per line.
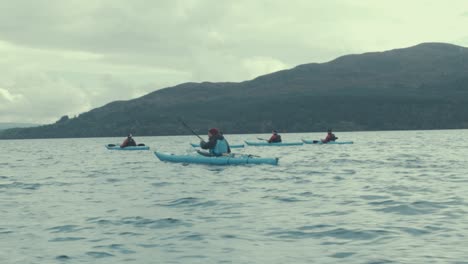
x=128, y=142
x=274, y=138
x=330, y=137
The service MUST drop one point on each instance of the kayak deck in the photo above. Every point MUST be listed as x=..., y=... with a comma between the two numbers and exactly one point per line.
x=117, y=147
x=278, y=144
x=319, y=142
x=231, y=146
x=232, y=159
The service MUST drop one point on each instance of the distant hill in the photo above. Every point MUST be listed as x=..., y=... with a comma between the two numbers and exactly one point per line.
x=13, y=125
x=420, y=87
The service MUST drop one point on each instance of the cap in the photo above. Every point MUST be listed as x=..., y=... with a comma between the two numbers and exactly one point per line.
x=213, y=131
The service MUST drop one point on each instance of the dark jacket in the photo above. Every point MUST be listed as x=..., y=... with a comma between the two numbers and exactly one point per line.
x=275, y=138
x=330, y=137
x=128, y=142
x=212, y=141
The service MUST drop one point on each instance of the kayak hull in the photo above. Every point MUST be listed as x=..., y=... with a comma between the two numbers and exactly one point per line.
x=279, y=144
x=223, y=160
x=319, y=142
x=117, y=147
x=231, y=146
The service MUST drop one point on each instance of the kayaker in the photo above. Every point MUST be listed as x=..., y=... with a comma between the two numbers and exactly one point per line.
x=330, y=136
x=217, y=144
x=129, y=141
x=275, y=138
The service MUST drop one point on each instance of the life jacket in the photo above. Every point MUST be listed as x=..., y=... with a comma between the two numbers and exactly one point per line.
x=220, y=148
x=330, y=137
x=131, y=142
x=275, y=139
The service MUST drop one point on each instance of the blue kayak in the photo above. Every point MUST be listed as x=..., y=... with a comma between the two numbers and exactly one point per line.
x=279, y=144
x=231, y=146
x=117, y=147
x=233, y=159
x=319, y=142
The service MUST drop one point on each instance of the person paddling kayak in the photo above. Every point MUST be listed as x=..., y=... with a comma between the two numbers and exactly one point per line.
x=129, y=141
x=330, y=136
x=217, y=144
x=275, y=138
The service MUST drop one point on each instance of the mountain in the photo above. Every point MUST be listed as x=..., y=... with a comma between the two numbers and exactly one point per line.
x=13, y=125
x=420, y=87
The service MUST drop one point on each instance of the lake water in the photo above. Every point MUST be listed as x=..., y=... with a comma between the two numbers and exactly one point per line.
x=392, y=197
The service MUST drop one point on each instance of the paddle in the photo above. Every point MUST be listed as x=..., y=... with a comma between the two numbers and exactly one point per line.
x=262, y=139
x=189, y=128
x=114, y=145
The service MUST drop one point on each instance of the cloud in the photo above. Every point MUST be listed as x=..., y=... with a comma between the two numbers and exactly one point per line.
x=5, y=95
x=89, y=53
x=34, y=103
x=46, y=84
x=261, y=65
x=43, y=97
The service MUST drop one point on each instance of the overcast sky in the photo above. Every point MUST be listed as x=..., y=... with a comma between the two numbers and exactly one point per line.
x=62, y=57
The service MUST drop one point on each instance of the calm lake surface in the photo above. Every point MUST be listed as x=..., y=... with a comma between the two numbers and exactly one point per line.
x=391, y=197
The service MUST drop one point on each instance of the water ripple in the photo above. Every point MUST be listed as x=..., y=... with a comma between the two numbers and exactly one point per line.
x=414, y=208
x=98, y=254
x=120, y=248
x=283, y=199
x=141, y=222
x=338, y=233
x=384, y=199
x=190, y=202
x=5, y=231
x=342, y=254
x=404, y=210
x=415, y=231
x=21, y=185
x=373, y=197
x=66, y=229
x=65, y=239
x=193, y=237
x=63, y=258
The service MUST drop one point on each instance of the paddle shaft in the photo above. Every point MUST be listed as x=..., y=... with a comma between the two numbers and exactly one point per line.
x=189, y=128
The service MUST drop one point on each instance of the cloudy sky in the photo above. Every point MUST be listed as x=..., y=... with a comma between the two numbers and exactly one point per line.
x=62, y=57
